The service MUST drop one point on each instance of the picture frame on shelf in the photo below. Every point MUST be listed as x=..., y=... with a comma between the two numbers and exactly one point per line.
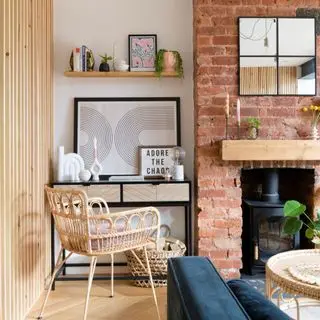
x=121, y=126
x=142, y=52
x=155, y=161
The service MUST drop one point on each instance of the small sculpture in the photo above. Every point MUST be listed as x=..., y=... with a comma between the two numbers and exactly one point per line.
x=85, y=175
x=69, y=166
x=96, y=167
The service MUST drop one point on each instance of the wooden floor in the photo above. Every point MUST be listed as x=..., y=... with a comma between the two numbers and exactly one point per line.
x=129, y=302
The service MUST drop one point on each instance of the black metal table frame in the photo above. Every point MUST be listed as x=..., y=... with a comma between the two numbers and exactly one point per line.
x=121, y=204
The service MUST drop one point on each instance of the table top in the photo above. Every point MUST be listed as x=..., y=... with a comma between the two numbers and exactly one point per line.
x=277, y=271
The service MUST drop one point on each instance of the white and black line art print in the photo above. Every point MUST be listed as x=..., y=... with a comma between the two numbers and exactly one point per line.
x=121, y=125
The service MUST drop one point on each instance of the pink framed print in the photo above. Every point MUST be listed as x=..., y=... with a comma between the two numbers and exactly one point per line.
x=142, y=52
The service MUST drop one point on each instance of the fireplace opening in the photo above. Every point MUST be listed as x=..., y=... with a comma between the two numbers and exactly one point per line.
x=264, y=192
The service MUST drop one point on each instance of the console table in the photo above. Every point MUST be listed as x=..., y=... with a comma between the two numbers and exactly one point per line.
x=128, y=193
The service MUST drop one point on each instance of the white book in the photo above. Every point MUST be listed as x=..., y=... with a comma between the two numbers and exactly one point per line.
x=77, y=59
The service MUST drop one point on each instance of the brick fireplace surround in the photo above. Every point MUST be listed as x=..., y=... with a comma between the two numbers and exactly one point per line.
x=218, y=187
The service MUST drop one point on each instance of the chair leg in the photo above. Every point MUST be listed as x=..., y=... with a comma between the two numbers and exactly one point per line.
x=151, y=281
x=112, y=275
x=90, y=278
x=59, y=264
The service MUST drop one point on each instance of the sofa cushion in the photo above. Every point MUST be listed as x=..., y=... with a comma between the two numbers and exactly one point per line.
x=255, y=304
x=196, y=291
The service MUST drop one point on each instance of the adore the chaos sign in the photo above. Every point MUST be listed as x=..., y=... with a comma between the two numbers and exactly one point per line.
x=155, y=161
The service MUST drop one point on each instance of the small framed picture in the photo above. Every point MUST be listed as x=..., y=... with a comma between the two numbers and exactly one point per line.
x=142, y=52
x=155, y=160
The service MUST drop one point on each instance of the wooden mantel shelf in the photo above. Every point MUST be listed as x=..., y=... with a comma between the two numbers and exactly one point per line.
x=119, y=74
x=260, y=150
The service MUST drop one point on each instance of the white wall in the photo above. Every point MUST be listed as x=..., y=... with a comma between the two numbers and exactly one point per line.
x=100, y=23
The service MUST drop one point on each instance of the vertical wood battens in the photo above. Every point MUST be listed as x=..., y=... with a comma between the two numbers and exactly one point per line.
x=25, y=149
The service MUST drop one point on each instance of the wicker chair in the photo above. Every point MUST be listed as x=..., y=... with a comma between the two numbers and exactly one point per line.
x=86, y=227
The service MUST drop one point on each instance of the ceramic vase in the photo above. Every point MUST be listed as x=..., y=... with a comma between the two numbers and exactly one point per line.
x=96, y=167
x=314, y=133
x=85, y=175
x=169, y=61
x=253, y=133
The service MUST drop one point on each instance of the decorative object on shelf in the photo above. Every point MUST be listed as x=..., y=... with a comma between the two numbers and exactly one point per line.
x=167, y=176
x=104, y=65
x=121, y=66
x=227, y=114
x=253, y=127
x=238, y=117
x=293, y=210
x=136, y=122
x=84, y=60
x=142, y=52
x=178, y=155
x=314, y=134
x=85, y=175
x=169, y=61
x=69, y=165
x=155, y=160
x=96, y=167
x=114, y=58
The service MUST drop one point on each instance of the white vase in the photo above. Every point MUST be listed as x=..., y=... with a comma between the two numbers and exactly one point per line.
x=314, y=133
x=85, y=175
x=96, y=167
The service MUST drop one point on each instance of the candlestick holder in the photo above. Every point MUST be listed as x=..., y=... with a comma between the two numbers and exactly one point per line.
x=227, y=127
x=238, y=125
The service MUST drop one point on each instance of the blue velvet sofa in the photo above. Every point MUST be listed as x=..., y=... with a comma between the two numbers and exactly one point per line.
x=196, y=291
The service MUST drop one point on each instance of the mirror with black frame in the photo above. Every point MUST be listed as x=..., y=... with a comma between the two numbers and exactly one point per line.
x=277, y=56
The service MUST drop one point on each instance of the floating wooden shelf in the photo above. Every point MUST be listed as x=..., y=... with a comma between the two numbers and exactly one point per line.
x=269, y=150
x=118, y=74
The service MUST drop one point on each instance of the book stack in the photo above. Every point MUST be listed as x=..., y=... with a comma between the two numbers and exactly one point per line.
x=80, y=59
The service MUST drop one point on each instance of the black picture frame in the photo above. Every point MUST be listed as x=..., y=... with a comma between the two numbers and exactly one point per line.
x=132, y=68
x=77, y=122
x=277, y=56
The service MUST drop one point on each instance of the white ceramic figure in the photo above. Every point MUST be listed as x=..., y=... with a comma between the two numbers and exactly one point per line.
x=85, y=175
x=96, y=167
x=69, y=165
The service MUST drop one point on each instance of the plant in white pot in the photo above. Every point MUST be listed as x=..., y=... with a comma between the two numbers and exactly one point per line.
x=169, y=61
x=293, y=211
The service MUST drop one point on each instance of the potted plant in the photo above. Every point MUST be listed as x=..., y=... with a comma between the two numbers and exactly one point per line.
x=169, y=61
x=104, y=65
x=254, y=125
x=293, y=210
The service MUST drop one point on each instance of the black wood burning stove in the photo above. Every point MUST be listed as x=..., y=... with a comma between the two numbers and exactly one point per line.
x=262, y=235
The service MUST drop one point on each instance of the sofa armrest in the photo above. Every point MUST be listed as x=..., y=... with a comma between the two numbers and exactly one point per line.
x=197, y=291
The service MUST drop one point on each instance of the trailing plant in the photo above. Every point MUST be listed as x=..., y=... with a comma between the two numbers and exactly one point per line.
x=254, y=122
x=293, y=211
x=105, y=58
x=159, y=63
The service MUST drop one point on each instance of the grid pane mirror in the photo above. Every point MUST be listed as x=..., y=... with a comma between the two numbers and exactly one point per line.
x=277, y=56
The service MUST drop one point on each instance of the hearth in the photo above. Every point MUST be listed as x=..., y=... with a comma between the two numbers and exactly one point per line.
x=263, y=219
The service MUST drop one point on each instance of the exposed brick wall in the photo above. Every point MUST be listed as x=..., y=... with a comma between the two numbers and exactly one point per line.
x=218, y=187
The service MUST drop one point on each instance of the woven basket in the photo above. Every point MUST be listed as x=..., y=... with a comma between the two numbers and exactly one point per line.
x=158, y=262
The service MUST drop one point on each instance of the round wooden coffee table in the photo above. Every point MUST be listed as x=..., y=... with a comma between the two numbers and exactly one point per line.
x=279, y=279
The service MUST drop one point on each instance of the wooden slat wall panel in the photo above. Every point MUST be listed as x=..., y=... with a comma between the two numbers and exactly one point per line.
x=26, y=117
x=263, y=80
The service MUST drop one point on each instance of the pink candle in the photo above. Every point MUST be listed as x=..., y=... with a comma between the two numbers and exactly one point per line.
x=238, y=111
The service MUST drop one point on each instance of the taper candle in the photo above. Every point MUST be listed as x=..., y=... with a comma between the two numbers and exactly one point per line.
x=227, y=106
x=238, y=111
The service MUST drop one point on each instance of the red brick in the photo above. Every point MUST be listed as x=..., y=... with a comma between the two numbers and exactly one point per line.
x=212, y=193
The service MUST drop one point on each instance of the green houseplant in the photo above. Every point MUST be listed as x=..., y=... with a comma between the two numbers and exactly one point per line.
x=169, y=61
x=293, y=211
x=104, y=65
x=254, y=125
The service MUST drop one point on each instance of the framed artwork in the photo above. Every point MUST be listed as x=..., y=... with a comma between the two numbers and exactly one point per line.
x=142, y=52
x=155, y=160
x=121, y=126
